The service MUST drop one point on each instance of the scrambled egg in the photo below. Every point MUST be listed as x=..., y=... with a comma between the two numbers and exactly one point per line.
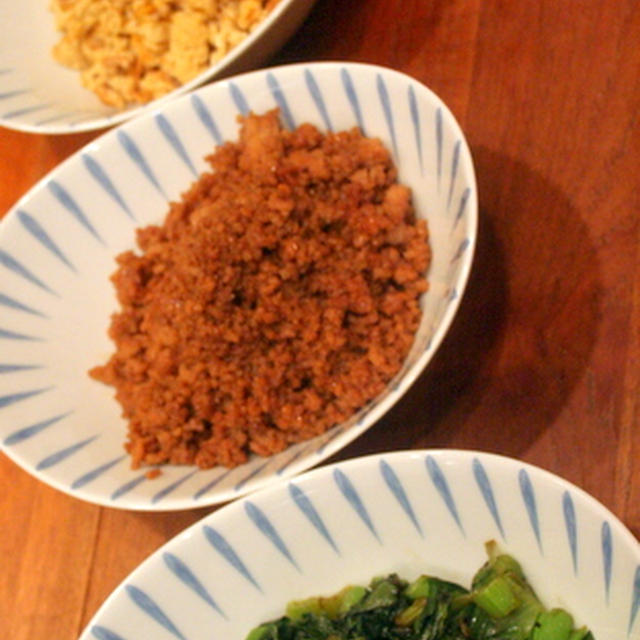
x=133, y=51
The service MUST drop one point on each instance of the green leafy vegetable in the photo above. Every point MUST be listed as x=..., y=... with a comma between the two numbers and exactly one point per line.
x=501, y=605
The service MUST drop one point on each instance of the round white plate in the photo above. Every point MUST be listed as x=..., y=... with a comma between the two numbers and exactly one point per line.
x=39, y=95
x=58, y=244
x=407, y=512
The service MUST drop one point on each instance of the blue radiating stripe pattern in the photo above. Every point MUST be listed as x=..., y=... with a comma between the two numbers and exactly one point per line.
x=102, y=633
x=83, y=118
x=28, y=432
x=607, y=557
x=454, y=171
x=12, y=303
x=484, y=484
x=59, y=456
x=397, y=490
x=529, y=498
x=353, y=499
x=281, y=101
x=317, y=97
x=635, y=600
x=26, y=110
x=285, y=465
x=172, y=137
x=14, y=335
x=12, y=94
x=207, y=487
x=220, y=544
x=100, y=176
x=206, y=118
x=151, y=608
x=129, y=486
x=252, y=474
x=463, y=205
x=90, y=476
x=70, y=205
x=442, y=487
x=303, y=502
x=14, y=368
x=383, y=94
x=9, y=262
x=332, y=436
x=263, y=524
x=54, y=118
x=352, y=96
x=136, y=156
x=12, y=398
x=439, y=143
x=38, y=232
x=415, y=119
x=239, y=99
x=569, y=512
x=163, y=493
x=187, y=577
x=464, y=245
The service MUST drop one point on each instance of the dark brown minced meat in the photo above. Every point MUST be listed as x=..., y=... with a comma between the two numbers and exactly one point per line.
x=280, y=295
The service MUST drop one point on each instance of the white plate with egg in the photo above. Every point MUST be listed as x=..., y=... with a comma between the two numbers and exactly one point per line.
x=58, y=247
x=38, y=94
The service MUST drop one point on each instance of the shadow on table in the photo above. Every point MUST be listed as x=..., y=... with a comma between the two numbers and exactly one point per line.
x=524, y=331
x=322, y=36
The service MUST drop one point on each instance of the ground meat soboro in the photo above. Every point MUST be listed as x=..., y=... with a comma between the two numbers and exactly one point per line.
x=279, y=296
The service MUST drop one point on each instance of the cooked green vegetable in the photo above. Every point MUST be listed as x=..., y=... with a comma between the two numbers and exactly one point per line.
x=501, y=605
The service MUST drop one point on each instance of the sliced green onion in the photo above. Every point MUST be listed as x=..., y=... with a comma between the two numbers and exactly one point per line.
x=555, y=624
x=498, y=564
x=411, y=613
x=341, y=602
x=298, y=608
x=507, y=564
x=383, y=595
x=497, y=597
x=350, y=597
x=258, y=632
x=419, y=588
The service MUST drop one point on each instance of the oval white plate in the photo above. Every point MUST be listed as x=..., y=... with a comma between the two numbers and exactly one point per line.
x=41, y=96
x=407, y=512
x=57, y=249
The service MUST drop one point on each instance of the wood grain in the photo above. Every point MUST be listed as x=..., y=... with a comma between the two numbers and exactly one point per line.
x=543, y=359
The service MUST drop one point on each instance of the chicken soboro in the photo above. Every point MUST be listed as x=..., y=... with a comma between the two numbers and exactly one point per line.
x=279, y=296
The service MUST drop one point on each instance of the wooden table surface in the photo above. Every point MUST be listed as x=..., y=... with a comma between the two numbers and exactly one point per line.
x=543, y=360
